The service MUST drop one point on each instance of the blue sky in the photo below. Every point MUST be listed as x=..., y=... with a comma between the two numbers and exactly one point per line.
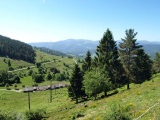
x=54, y=20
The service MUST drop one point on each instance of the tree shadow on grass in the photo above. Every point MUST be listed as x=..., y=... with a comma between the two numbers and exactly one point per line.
x=108, y=95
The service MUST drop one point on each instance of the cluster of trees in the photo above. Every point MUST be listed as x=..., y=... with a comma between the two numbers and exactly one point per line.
x=16, y=50
x=51, y=73
x=113, y=66
x=8, y=78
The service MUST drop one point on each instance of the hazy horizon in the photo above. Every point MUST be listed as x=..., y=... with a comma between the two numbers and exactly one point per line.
x=92, y=40
x=57, y=20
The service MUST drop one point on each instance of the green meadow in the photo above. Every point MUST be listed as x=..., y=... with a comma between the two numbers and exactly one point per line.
x=139, y=99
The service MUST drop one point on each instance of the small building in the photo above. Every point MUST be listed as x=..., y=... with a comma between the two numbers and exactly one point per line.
x=28, y=89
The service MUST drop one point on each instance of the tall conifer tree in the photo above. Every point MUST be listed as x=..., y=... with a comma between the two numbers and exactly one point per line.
x=75, y=89
x=87, y=63
x=107, y=56
x=142, y=70
x=128, y=51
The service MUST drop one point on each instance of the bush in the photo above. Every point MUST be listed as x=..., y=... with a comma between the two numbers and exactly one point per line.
x=10, y=68
x=15, y=79
x=30, y=72
x=8, y=88
x=35, y=115
x=54, y=70
x=77, y=115
x=38, y=78
x=38, y=65
x=6, y=115
x=118, y=113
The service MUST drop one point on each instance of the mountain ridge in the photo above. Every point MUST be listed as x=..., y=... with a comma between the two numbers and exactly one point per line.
x=79, y=47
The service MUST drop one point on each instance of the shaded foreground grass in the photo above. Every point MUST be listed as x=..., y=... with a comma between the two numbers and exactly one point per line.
x=139, y=98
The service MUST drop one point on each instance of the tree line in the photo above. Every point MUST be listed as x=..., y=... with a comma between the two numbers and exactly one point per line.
x=113, y=66
x=49, y=51
x=16, y=50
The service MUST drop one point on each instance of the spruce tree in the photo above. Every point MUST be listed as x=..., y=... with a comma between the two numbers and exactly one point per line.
x=142, y=70
x=76, y=86
x=107, y=56
x=87, y=62
x=128, y=51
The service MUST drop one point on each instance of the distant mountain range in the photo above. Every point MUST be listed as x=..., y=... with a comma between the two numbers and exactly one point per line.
x=79, y=47
x=70, y=46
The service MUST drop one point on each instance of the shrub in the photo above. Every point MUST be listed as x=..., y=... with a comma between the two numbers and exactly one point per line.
x=38, y=114
x=10, y=68
x=38, y=78
x=15, y=79
x=30, y=72
x=77, y=115
x=38, y=65
x=118, y=113
x=54, y=70
x=23, y=86
x=7, y=115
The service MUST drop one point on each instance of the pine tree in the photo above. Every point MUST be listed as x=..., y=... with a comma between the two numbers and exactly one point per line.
x=87, y=63
x=128, y=51
x=76, y=87
x=107, y=56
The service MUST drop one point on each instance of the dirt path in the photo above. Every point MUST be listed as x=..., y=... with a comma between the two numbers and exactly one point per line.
x=20, y=90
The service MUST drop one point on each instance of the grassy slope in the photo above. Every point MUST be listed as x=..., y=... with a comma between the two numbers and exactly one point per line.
x=139, y=98
x=59, y=61
x=40, y=57
x=16, y=64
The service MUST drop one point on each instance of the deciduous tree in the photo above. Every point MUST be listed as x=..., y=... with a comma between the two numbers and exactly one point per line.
x=156, y=63
x=95, y=82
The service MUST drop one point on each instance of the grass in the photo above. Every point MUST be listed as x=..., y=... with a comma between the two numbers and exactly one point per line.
x=40, y=57
x=139, y=98
x=16, y=64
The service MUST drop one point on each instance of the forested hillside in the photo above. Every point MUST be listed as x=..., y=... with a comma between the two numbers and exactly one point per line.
x=49, y=51
x=16, y=50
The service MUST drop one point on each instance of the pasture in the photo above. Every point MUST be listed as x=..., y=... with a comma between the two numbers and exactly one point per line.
x=139, y=98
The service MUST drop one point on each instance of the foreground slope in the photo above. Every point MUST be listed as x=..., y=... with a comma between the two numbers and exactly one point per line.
x=139, y=98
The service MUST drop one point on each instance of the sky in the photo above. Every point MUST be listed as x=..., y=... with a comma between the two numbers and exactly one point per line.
x=54, y=20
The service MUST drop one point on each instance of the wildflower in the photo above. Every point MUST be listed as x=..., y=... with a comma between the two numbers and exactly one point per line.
x=139, y=93
x=131, y=104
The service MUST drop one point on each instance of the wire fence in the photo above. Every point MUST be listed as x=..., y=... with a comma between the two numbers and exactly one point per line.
x=158, y=103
